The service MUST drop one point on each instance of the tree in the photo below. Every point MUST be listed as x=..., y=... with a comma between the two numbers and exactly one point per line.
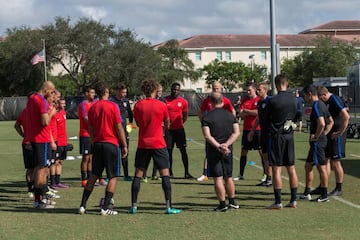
x=176, y=65
x=329, y=58
x=233, y=75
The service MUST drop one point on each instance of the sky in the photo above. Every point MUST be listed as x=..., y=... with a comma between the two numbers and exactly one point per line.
x=156, y=21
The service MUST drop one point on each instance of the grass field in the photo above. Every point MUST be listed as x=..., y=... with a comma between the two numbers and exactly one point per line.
x=337, y=219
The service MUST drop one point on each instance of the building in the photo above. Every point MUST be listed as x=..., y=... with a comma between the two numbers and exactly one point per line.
x=249, y=49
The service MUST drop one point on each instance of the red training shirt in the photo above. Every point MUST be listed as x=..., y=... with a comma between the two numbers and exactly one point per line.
x=176, y=107
x=21, y=120
x=83, y=110
x=206, y=105
x=149, y=115
x=104, y=115
x=250, y=104
x=61, y=128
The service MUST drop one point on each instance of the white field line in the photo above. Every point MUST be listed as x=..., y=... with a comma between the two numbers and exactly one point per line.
x=300, y=183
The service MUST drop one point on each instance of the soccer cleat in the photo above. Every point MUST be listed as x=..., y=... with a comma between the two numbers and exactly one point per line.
x=266, y=183
x=144, y=180
x=188, y=176
x=54, y=186
x=322, y=198
x=43, y=205
x=103, y=182
x=335, y=192
x=172, y=211
x=128, y=179
x=50, y=202
x=106, y=212
x=239, y=178
x=51, y=195
x=30, y=195
x=53, y=190
x=83, y=183
x=292, y=204
x=61, y=185
x=306, y=196
x=132, y=210
x=82, y=210
x=155, y=178
x=233, y=206
x=221, y=208
x=275, y=206
x=316, y=191
x=202, y=178
x=263, y=178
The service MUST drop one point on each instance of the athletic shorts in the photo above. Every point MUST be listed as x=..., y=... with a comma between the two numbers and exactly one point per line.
x=254, y=144
x=61, y=153
x=298, y=116
x=85, y=145
x=28, y=156
x=316, y=155
x=160, y=156
x=335, y=148
x=41, y=154
x=219, y=164
x=175, y=136
x=106, y=156
x=264, y=141
x=282, y=151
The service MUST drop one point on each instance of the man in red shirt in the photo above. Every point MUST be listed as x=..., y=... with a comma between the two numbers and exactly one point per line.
x=38, y=118
x=21, y=126
x=150, y=115
x=178, y=112
x=205, y=107
x=108, y=135
x=249, y=112
x=85, y=141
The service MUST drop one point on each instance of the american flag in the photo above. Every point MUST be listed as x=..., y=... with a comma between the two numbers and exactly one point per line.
x=39, y=57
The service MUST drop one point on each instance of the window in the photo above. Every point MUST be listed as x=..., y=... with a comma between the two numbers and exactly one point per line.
x=198, y=90
x=219, y=55
x=228, y=55
x=263, y=55
x=198, y=55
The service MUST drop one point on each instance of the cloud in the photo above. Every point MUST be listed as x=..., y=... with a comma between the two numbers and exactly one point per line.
x=92, y=12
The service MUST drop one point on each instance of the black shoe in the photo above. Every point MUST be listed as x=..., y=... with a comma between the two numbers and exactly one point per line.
x=221, y=208
x=322, y=198
x=335, y=192
x=188, y=176
x=266, y=183
x=316, y=191
x=233, y=206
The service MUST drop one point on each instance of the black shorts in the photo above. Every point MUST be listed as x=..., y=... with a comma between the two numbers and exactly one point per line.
x=316, y=155
x=282, y=151
x=27, y=156
x=85, y=145
x=106, y=156
x=264, y=142
x=219, y=164
x=61, y=153
x=41, y=154
x=254, y=144
x=335, y=148
x=160, y=156
x=298, y=116
x=175, y=136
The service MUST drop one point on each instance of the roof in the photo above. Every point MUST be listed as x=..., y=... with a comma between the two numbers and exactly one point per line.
x=336, y=26
x=250, y=41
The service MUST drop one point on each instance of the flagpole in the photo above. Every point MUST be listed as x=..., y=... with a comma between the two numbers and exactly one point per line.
x=45, y=71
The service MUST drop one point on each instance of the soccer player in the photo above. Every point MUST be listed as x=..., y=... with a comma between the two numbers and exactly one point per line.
x=320, y=125
x=220, y=129
x=150, y=115
x=38, y=118
x=107, y=134
x=21, y=126
x=206, y=107
x=125, y=110
x=62, y=142
x=85, y=140
x=300, y=107
x=178, y=112
x=262, y=90
x=249, y=112
x=335, y=149
x=281, y=113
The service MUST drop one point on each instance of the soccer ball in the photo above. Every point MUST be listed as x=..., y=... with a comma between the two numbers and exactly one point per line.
x=102, y=201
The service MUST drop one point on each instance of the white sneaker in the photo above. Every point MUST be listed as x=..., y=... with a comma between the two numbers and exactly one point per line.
x=108, y=212
x=50, y=194
x=305, y=196
x=263, y=178
x=82, y=210
x=202, y=178
x=239, y=178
